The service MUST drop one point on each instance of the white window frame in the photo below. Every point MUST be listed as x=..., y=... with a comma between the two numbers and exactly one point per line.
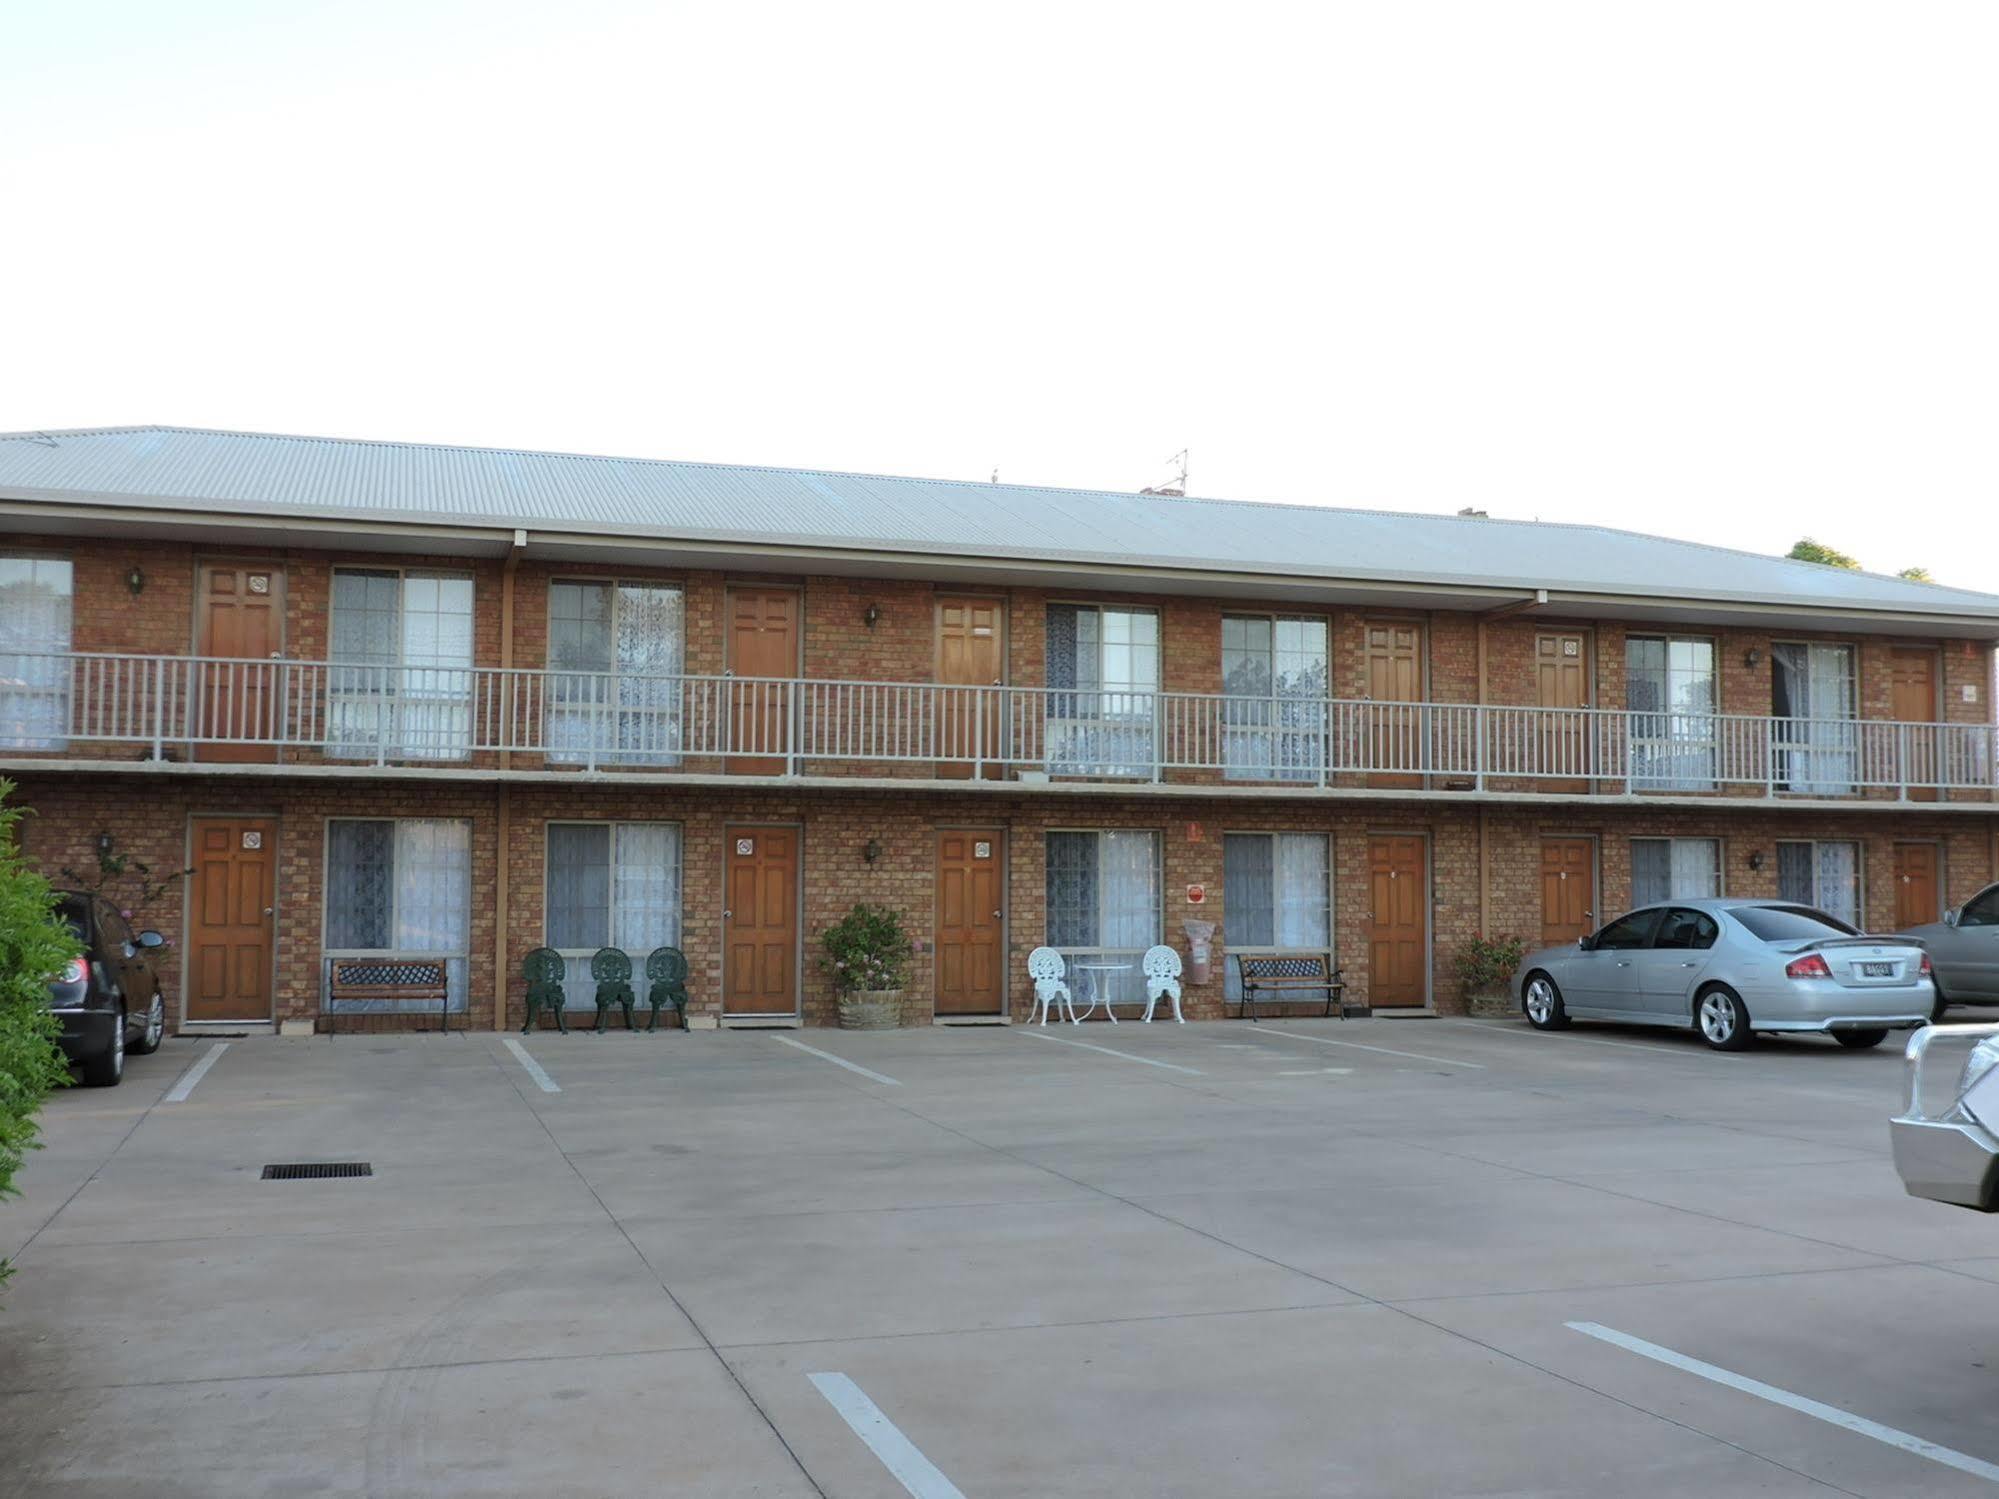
x=579, y=990
x=398, y=694
x=1127, y=987
x=1818, y=755
x=663, y=737
x=1858, y=916
x=36, y=694
x=1279, y=736
x=1720, y=870
x=1103, y=730
x=457, y=963
x=1231, y=984
x=1686, y=736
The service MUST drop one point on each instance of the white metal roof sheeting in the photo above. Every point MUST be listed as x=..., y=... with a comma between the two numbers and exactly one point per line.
x=258, y=473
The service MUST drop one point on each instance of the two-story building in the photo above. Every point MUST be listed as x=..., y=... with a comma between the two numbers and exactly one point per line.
x=390, y=699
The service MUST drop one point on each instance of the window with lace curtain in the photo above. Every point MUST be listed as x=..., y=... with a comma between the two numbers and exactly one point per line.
x=35, y=599
x=400, y=887
x=1670, y=691
x=1674, y=869
x=399, y=673
x=615, y=657
x=1823, y=874
x=1813, y=697
x=1103, y=904
x=1275, y=676
x=610, y=884
x=1103, y=672
x=1276, y=896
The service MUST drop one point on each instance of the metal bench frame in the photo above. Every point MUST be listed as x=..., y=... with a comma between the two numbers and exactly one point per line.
x=397, y=988
x=1268, y=977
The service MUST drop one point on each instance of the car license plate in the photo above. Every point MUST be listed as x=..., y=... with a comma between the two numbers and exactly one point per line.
x=1877, y=970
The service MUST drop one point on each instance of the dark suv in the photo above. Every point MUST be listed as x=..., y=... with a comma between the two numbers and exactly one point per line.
x=108, y=999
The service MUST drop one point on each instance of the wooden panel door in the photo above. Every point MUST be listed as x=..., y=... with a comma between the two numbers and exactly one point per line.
x=1561, y=685
x=1393, y=737
x=971, y=895
x=762, y=642
x=1918, y=885
x=971, y=656
x=239, y=699
x=1568, y=890
x=1912, y=676
x=231, y=922
x=1398, y=941
x=760, y=922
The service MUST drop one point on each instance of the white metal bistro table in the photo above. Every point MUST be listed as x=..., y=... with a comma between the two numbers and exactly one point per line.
x=1096, y=983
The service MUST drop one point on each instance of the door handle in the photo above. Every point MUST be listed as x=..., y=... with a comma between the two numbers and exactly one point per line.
x=996, y=916
x=726, y=914
x=1623, y=962
x=1690, y=965
x=270, y=911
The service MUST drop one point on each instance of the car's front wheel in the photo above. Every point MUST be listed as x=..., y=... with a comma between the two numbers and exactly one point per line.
x=1543, y=1003
x=1723, y=1019
x=107, y=1068
x=156, y=1029
x=1859, y=1040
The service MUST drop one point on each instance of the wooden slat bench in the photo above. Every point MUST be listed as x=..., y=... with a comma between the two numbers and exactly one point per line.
x=1281, y=976
x=401, y=979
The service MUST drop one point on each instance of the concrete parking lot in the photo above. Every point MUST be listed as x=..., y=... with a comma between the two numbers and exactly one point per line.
x=1301, y=1258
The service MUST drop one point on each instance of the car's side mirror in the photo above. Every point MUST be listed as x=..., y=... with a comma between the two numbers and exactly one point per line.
x=1950, y=917
x=1586, y=944
x=151, y=939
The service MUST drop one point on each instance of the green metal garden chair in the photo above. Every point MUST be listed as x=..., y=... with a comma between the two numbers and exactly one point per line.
x=666, y=970
x=612, y=970
x=545, y=970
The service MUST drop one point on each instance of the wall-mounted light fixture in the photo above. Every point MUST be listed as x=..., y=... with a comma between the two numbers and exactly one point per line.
x=873, y=851
x=103, y=844
x=136, y=580
x=1756, y=858
x=1752, y=659
x=870, y=614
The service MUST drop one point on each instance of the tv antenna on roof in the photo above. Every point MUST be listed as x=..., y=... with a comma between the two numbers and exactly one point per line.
x=1179, y=484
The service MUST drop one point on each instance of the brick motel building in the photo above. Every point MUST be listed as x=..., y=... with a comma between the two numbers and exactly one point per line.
x=388, y=700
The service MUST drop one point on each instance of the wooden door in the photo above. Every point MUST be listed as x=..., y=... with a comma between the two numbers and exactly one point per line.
x=971, y=900
x=1912, y=675
x=1393, y=737
x=760, y=921
x=239, y=698
x=971, y=657
x=762, y=643
x=231, y=925
x=1568, y=890
x=1561, y=686
x=1918, y=885
x=1398, y=921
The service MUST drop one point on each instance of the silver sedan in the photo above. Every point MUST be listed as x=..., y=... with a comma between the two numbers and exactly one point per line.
x=1730, y=968
x=1965, y=948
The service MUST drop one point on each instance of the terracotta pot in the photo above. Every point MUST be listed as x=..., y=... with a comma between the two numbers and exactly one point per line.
x=871, y=1010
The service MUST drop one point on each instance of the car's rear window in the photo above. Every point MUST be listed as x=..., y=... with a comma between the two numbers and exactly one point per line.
x=1790, y=923
x=77, y=918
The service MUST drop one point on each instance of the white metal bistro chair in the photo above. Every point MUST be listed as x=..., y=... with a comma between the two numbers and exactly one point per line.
x=1161, y=966
x=1046, y=968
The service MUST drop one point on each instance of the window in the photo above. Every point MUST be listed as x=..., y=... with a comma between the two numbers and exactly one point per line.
x=1103, y=893
x=1790, y=923
x=1103, y=672
x=35, y=597
x=1816, y=741
x=400, y=888
x=1276, y=893
x=1981, y=910
x=1670, y=690
x=1628, y=932
x=1275, y=674
x=1824, y=875
x=1665, y=869
x=610, y=885
x=1687, y=931
x=400, y=682
x=616, y=651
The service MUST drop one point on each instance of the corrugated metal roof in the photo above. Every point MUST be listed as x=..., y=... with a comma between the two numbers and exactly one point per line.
x=268, y=474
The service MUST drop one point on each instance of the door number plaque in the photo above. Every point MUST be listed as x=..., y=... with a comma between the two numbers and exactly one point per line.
x=745, y=847
x=982, y=850
x=253, y=839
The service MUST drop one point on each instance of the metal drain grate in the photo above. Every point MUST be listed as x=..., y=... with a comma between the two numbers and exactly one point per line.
x=292, y=1171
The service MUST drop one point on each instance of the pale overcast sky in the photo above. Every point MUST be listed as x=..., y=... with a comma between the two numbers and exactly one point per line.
x=1723, y=271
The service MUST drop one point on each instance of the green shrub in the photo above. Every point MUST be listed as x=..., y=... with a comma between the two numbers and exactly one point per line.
x=1485, y=964
x=34, y=943
x=865, y=949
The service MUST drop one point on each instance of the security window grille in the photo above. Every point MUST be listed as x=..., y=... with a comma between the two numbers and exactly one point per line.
x=1674, y=869
x=400, y=888
x=1816, y=738
x=1103, y=902
x=1276, y=896
x=1823, y=874
x=610, y=885
x=616, y=651
x=1103, y=667
x=1275, y=675
x=400, y=672
x=1670, y=691
x=35, y=598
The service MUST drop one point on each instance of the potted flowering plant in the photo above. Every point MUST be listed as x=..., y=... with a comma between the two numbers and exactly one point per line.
x=865, y=955
x=1485, y=968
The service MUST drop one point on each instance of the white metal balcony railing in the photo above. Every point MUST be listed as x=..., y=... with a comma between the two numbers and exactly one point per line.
x=168, y=705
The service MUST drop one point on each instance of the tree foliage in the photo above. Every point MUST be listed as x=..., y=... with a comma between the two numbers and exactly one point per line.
x=34, y=944
x=1916, y=575
x=1808, y=550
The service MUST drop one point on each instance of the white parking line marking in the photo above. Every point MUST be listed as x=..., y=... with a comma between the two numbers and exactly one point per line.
x=542, y=1079
x=1387, y=1051
x=1318, y=1071
x=1500, y=1028
x=1949, y=1457
x=838, y=1061
x=194, y=1074
x=1113, y=1052
x=898, y=1454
